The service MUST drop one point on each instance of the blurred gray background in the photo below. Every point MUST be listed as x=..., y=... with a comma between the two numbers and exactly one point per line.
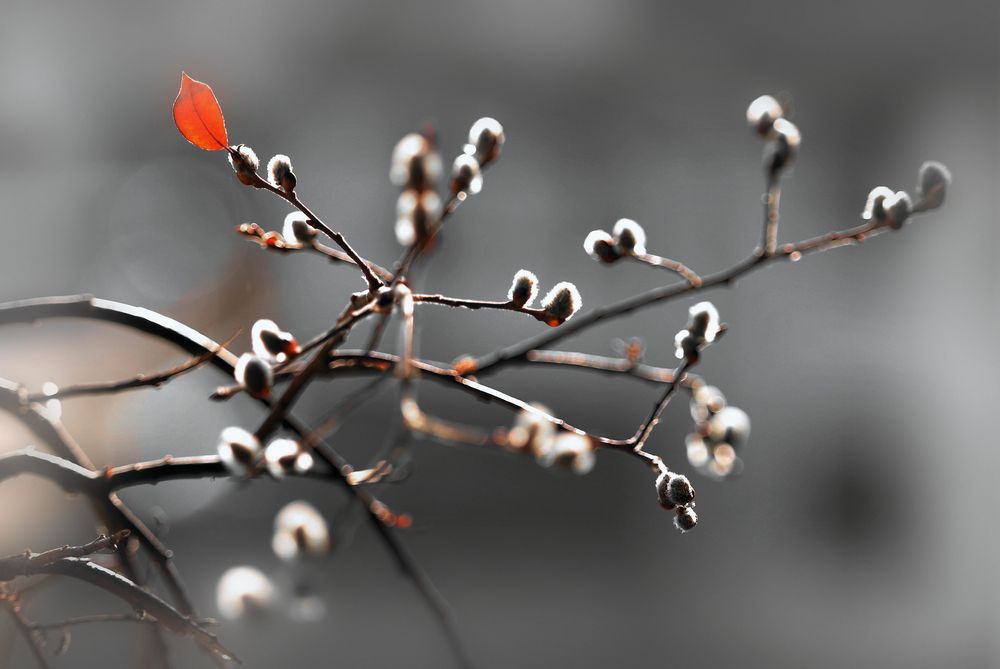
x=862, y=533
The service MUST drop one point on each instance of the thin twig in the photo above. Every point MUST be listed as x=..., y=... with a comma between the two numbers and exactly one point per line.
x=140, y=381
x=726, y=277
x=374, y=283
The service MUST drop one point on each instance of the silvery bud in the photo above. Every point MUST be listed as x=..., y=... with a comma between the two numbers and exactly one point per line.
x=300, y=531
x=599, y=245
x=297, y=229
x=486, y=138
x=673, y=490
x=934, y=181
x=466, y=175
x=245, y=164
x=897, y=207
x=239, y=449
x=685, y=518
x=784, y=147
x=561, y=303
x=279, y=170
x=762, y=113
x=629, y=237
x=572, y=451
x=524, y=289
x=874, y=206
x=255, y=375
x=286, y=456
x=244, y=592
x=415, y=163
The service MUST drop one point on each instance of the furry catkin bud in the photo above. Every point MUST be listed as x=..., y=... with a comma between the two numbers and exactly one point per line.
x=874, y=207
x=673, y=490
x=486, y=138
x=271, y=342
x=416, y=211
x=286, y=456
x=239, y=450
x=703, y=328
x=730, y=425
x=629, y=237
x=524, y=289
x=279, y=170
x=300, y=532
x=254, y=374
x=532, y=432
x=297, y=229
x=466, y=175
x=785, y=146
x=415, y=163
x=762, y=113
x=897, y=209
x=703, y=321
x=561, y=303
x=934, y=180
x=685, y=518
x=572, y=451
x=245, y=164
x=706, y=401
x=244, y=592
x=599, y=245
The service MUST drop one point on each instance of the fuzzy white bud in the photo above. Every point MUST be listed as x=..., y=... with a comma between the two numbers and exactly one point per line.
x=629, y=237
x=673, y=490
x=572, y=451
x=784, y=147
x=466, y=175
x=599, y=245
x=271, y=342
x=300, y=531
x=239, y=450
x=561, y=303
x=244, y=592
x=874, y=206
x=532, y=432
x=730, y=425
x=762, y=113
x=897, y=209
x=254, y=374
x=416, y=211
x=279, y=170
x=524, y=289
x=934, y=180
x=245, y=163
x=286, y=456
x=297, y=229
x=486, y=138
x=685, y=518
x=705, y=402
x=415, y=163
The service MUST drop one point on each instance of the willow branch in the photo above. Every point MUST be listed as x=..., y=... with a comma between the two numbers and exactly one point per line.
x=170, y=330
x=27, y=563
x=726, y=277
x=537, y=314
x=257, y=234
x=156, y=380
x=374, y=283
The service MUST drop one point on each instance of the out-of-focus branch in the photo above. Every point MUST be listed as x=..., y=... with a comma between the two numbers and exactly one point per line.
x=28, y=563
x=140, y=381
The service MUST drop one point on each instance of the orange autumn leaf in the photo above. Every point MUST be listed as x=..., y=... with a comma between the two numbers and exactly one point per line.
x=198, y=115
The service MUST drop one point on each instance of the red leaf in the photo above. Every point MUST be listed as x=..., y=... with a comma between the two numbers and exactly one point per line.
x=198, y=115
